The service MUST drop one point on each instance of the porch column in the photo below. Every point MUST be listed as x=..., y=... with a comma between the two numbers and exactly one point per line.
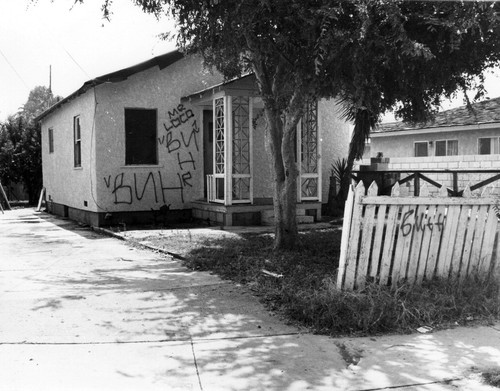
x=309, y=186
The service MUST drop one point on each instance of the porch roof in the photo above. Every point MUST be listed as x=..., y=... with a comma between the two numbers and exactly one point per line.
x=244, y=85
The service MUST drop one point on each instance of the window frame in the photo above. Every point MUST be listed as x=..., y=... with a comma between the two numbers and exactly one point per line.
x=51, y=139
x=155, y=144
x=77, y=142
x=446, y=141
x=415, y=148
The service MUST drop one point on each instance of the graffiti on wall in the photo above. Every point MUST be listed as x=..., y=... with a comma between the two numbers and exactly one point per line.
x=180, y=139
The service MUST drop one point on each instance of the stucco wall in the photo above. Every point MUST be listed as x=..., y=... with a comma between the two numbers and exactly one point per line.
x=64, y=183
x=335, y=136
x=262, y=168
x=403, y=145
x=178, y=177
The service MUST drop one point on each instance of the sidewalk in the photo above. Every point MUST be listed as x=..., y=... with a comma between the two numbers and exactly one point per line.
x=82, y=311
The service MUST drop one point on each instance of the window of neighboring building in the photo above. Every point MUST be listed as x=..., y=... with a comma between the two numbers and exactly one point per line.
x=487, y=145
x=140, y=136
x=77, y=137
x=446, y=148
x=51, y=140
x=421, y=148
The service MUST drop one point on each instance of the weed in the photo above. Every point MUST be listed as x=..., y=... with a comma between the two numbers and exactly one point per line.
x=492, y=377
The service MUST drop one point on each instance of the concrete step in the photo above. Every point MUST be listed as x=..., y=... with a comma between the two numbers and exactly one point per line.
x=305, y=219
x=267, y=217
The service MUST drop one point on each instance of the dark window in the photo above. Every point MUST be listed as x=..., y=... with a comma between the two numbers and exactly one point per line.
x=77, y=136
x=140, y=136
x=487, y=145
x=446, y=148
x=421, y=149
x=51, y=140
x=441, y=148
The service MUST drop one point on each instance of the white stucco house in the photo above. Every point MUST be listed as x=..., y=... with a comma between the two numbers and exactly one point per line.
x=169, y=134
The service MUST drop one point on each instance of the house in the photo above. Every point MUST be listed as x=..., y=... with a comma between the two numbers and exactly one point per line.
x=457, y=139
x=169, y=138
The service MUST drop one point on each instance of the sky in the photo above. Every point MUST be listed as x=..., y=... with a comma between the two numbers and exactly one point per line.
x=75, y=40
x=80, y=45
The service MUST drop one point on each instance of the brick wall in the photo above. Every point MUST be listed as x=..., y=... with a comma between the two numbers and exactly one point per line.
x=463, y=162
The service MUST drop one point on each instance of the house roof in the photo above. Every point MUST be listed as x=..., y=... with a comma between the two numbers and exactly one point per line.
x=245, y=82
x=162, y=62
x=485, y=112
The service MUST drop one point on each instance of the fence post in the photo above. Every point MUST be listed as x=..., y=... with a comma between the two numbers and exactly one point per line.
x=455, y=184
x=352, y=241
x=416, y=185
x=346, y=230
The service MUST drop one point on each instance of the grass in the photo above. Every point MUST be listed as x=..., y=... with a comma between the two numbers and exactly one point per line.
x=306, y=293
x=491, y=377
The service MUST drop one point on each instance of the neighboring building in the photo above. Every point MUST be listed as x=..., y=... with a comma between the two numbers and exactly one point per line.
x=453, y=132
x=457, y=139
x=169, y=134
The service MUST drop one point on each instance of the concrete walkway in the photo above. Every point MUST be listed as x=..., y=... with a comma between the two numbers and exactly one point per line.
x=83, y=311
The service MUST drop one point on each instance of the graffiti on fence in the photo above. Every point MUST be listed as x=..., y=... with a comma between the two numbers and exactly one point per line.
x=420, y=222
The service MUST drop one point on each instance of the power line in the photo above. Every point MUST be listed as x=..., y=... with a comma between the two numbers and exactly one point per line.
x=76, y=62
x=14, y=69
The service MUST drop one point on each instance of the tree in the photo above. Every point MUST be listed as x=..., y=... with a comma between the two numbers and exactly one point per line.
x=372, y=55
x=20, y=144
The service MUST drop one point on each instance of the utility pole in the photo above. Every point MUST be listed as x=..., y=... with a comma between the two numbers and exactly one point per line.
x=50, y=78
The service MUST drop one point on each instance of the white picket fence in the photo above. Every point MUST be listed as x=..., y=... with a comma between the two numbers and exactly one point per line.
x=390, y=239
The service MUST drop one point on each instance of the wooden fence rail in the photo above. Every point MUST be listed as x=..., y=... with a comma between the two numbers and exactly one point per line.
x=390, y=239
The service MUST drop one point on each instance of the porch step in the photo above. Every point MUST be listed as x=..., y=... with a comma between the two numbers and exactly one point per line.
x=305, y=219
x=267, y=217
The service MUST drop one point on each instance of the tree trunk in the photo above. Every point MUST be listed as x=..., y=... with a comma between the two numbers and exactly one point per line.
x=281, y=129
x=281, y=143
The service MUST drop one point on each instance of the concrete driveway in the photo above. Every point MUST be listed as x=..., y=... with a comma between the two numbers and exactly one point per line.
x=83, y=311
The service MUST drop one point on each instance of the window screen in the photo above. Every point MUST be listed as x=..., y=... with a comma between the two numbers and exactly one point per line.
x=77, y=137
x=421, y=149
x=140, y=137
x=51, y=140
x=441, y=148
x=487, y=145
x=446, y=148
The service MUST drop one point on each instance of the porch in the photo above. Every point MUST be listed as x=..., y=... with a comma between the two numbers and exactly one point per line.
x=236, y=163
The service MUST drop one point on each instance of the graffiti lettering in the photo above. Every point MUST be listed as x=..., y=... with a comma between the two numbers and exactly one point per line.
x=181, y=163
x=155, y=182
x=192, y=136
x=177, y=117
x=185, y=179
x=180, y=188
x=123, y=193
x=420, y=223
x=149, y=177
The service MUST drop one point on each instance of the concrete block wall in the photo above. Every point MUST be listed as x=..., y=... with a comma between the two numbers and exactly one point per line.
x=462, y=162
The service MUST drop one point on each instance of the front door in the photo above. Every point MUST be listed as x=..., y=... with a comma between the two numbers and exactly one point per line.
x=208, y=146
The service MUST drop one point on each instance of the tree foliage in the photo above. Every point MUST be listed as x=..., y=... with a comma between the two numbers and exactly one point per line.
x=372, y=55
x=20, y=144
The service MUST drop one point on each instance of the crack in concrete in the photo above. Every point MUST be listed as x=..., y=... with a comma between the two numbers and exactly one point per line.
x=195, y=363
x=444, y=381
x=186, y=339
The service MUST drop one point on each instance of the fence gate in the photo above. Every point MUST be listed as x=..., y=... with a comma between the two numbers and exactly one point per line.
x=390, y=239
